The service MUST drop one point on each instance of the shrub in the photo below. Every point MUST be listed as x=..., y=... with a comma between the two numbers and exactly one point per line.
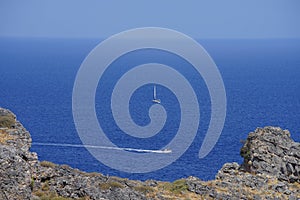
x=245, y=153
x=177, y=186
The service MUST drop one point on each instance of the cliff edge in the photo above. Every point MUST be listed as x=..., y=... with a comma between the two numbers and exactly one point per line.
x=271, y=170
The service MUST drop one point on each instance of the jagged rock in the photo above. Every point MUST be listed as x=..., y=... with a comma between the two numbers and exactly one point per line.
x=16, y=161
x=196, y=185
x=233, y=183
x=15, y=175
x=271, y=151
x=7, y=119
x=270, y=168
x=68, y=182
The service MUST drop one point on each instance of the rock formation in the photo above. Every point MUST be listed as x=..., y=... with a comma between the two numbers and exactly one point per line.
x=271, y=170
x=16, y=161
x=271, y=151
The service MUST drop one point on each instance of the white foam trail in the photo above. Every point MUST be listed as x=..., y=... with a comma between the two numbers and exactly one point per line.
x=101, y=147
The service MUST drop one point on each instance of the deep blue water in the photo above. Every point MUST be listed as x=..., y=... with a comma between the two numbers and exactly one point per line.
x=261, y=77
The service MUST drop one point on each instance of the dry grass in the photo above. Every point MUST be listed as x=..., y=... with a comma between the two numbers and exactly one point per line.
x=92, y=174
x=110, y=185
x=177, y=187
x=48, y=195
x=118, y=179
x=7, y=121
x=144, y=189
x=45, y=186
x=4, y=136
x=176, y=190
x=47, y=164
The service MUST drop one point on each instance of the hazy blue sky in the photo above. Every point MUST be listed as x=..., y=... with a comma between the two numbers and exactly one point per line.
x=199, y=19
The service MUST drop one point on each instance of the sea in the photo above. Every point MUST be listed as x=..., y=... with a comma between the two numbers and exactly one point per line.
x=261, y=79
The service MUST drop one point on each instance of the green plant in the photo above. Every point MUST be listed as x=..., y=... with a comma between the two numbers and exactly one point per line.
x=177, y=187
x=32, y=183
x=245, y=153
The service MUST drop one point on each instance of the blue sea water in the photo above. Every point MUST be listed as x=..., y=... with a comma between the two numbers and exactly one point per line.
x=261, y=78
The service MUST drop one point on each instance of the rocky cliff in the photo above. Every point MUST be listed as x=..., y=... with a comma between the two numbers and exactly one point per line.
x=271, y=170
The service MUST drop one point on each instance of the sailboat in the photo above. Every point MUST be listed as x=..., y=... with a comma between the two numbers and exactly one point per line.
x=155, y=100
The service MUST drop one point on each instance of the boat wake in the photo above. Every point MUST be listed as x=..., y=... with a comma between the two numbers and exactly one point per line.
x=103, y=147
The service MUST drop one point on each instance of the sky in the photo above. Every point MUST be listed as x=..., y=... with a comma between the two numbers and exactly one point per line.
x=196, y=18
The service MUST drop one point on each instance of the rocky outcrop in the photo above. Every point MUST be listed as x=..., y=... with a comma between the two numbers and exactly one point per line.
x=14, y=175
x=68, y=182
x=232, y=183
x=270, y=171
x=271, y=151
x=17, y=163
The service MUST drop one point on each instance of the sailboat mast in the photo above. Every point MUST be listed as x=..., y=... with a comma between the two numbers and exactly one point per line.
x=155, y=100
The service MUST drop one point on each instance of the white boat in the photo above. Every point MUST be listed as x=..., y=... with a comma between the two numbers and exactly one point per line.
x=155, y=100
x=161, y=151
x=167, y=151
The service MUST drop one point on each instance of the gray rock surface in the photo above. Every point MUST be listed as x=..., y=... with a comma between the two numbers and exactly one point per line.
x=68, y=182
x=16, y=161
x=271, y=151
x=15, y=175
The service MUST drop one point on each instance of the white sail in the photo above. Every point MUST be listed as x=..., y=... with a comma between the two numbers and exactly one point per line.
x=155, y=100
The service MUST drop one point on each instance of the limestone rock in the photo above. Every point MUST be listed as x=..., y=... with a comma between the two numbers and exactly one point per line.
x=68, y=182
x=15, y=175
x=271, y=151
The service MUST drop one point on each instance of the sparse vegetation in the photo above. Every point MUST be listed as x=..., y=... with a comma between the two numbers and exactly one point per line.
x=53, y=196
x=4, y=137
x=32, y=183
x=64, y=166
x=144, y=189
x=177, y=187
x=92, y=174
x=47, y=164
x=7, y=121
x=45, y=195
x=245, y=152
x=45, y=186
x=110, y=185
